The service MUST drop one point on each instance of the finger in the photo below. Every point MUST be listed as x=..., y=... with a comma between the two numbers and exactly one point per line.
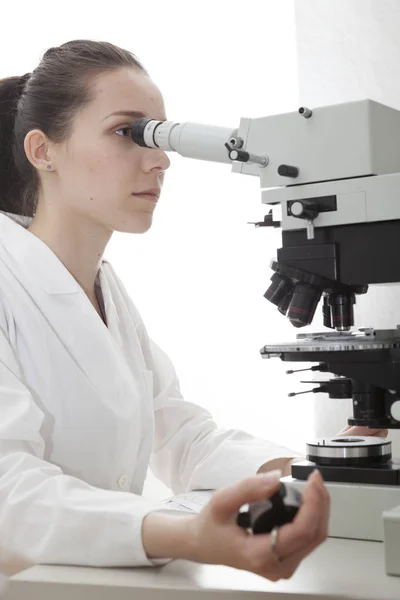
x=259, y=547
x=225, y=503
x=298, y=534
x=357, y=430
x=344, y=430
x=290, y=563
x=304, y=529
x=381, y=433
x=322, y=530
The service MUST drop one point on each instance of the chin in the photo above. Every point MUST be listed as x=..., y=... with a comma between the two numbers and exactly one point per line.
x=137, y=224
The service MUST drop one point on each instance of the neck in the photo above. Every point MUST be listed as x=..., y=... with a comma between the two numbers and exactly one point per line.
x=78, y=242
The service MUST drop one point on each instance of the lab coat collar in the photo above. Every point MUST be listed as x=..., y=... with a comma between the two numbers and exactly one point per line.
x=66, y=307
x=34, y=255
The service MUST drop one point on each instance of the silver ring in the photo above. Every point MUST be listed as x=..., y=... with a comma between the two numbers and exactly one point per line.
x=274, y=535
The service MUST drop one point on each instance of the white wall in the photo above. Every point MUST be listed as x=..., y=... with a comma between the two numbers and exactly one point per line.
x=198, y=277
x=349, y=50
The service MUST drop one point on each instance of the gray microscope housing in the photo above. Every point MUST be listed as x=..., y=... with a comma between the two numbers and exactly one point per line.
x=331, y=177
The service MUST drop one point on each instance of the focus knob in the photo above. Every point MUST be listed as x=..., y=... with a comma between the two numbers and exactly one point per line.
x=303, y=209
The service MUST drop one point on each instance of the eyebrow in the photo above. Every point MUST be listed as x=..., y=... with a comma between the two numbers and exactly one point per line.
x=135, y=114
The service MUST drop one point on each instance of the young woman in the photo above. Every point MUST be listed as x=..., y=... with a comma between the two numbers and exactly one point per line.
x=87, y=400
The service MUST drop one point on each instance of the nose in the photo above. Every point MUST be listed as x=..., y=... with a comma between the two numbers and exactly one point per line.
x=155, y=158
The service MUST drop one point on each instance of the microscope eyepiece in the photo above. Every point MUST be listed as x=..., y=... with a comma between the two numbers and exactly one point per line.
x=193, y=140
x=143, y=132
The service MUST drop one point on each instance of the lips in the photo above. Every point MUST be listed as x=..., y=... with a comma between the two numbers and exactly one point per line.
x=146, y=196
x=151, y=191
x=152, y=194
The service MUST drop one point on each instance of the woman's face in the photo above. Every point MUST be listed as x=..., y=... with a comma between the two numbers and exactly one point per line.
x=99, y=169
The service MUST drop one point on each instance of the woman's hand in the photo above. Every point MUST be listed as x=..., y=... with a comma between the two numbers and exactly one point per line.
x=217, y=539
x=362, y=431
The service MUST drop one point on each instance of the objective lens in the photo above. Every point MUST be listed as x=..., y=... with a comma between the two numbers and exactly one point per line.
x=279, y=288
x=342, y=312
x=327, y=313
x=286, y=300
x=303, y=304
x=368, y=403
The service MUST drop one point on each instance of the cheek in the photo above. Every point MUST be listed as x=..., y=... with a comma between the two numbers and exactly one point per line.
x=105, y=167
x=100, y=170
x=97, y=171
x=99, y=162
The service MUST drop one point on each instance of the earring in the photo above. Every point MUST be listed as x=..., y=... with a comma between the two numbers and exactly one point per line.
x=49, y=166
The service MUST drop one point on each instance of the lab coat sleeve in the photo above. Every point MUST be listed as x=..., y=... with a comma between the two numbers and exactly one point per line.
x=47, y=516
x=190, y=452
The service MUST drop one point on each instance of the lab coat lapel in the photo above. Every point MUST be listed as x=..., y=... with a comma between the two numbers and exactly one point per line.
x=94, y=348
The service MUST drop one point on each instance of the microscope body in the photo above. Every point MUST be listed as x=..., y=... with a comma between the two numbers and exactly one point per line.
x=331, y=179
x=339, y=213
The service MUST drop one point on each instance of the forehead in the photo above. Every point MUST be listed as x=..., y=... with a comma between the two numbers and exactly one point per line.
x=126, y=89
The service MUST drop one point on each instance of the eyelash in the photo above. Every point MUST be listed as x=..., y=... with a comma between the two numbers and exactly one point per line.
x=121, y=129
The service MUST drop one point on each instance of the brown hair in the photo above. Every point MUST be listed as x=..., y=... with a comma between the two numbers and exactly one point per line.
x=47, y=99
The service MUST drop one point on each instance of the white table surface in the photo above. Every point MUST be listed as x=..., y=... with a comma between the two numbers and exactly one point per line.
x=346, y=569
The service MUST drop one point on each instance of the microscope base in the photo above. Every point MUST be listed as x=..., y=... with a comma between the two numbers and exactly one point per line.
x=357, y=509
x=379, y=474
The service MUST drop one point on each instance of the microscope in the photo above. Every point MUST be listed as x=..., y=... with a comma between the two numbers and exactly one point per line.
x=331, y=179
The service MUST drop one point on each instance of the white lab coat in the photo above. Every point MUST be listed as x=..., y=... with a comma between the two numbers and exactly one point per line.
x=84, y=409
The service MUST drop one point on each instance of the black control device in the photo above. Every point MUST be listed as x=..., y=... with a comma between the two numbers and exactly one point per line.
x=263, y=516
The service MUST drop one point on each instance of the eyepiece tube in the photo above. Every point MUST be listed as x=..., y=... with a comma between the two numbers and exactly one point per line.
x=192, y=140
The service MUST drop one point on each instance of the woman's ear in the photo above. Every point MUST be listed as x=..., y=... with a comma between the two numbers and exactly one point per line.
x=37, y=150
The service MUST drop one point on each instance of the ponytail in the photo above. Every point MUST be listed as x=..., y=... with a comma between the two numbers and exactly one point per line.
x=11, y=185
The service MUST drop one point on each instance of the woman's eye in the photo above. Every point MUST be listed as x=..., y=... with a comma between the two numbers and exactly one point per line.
x=126, y=132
